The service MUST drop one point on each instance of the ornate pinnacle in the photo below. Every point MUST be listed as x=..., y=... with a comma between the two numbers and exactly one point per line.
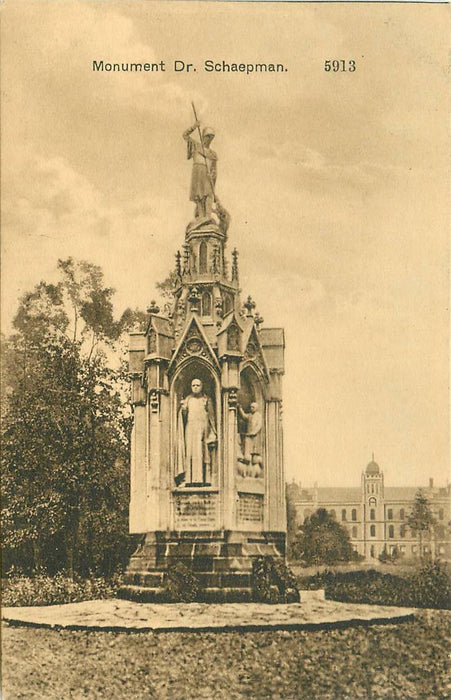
x=215, y=260
x=178, y=264
x=153, y=308
x=235, y=265
x=249, y=305
x=186, y=257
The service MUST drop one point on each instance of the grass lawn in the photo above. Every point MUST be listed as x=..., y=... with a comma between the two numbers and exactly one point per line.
x=406, y=660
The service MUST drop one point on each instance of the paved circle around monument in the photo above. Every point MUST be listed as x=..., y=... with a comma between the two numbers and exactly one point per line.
x=122, y=615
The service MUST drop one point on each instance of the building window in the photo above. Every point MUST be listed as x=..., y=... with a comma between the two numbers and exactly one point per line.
x=206, y=304
x=402, y=530
x=203, y=257
x=333, y=513
x=390, y=513
x=402, y=549
x=402, y=514
x=343, y=514
x=441, y=514
x=354, y=531
x=373, y=531
x=372, y=488
x=354, y=514
x=372, y=514
x=372, y=553
x=391, y=531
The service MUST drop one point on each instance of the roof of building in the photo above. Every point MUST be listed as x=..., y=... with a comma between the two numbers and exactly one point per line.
x=272, y=336
x=162, y=325
x=343, y=495
x=373, y=468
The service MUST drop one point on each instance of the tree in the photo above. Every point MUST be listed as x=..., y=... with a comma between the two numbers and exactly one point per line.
x=66, y=426
x=322, y=540
x=421, y=520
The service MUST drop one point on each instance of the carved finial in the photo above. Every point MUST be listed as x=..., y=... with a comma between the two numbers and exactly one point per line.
x=215, y=257
x=258, y=320
x=153, y=308
x=186, y=259
x=235, y=265
x=249, y=305
x=178, y=264
x=194, y=299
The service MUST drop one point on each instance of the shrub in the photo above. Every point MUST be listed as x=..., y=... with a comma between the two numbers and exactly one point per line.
x=181, y=585
x=42, y=589
x=428, y=587
x=432, y=586
x=273, y=582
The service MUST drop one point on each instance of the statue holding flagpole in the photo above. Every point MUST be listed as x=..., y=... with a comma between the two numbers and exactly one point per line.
x=203, y=178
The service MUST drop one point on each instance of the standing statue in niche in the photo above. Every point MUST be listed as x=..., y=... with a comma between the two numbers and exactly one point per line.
x=196, y=438
x=251, y=450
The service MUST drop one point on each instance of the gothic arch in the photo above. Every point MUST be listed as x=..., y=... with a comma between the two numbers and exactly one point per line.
x=251, y=366
x=203, y=257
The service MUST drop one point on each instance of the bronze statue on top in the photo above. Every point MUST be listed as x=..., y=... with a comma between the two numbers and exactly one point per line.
x=203, y=178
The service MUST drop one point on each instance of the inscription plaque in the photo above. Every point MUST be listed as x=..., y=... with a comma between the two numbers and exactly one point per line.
x=250, y=507
x=195, y=511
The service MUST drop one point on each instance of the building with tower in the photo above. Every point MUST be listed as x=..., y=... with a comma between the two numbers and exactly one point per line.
x=375, y=515
x=207, y=479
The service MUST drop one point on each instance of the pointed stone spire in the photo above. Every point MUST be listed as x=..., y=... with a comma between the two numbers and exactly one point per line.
x=178, y=264
x=234, y=265
x=186, y=259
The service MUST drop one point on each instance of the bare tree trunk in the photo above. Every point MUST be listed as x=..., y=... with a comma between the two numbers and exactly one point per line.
x=37, y=556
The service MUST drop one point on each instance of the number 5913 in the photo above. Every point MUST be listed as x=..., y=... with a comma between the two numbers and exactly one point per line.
x=341, y=66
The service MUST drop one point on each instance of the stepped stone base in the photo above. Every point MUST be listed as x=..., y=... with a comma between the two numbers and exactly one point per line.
x=221, y=561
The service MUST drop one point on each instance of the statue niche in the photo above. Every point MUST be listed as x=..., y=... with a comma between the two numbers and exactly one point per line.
x=250, y=426
x=196, y=433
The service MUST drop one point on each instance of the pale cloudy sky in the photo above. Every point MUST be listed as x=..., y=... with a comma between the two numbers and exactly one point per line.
x=336, y=184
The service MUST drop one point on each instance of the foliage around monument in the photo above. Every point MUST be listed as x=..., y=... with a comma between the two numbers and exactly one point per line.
x=322, y=540
x=181, y=584
x=65, y=428
x=428, y=586
x=273, y=582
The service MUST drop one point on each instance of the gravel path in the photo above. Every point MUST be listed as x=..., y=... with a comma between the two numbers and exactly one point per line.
x=126, y=615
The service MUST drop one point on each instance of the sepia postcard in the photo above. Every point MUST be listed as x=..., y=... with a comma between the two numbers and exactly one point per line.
x=230, y=222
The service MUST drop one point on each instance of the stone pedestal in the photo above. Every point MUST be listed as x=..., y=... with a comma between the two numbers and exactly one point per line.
x=221, y=561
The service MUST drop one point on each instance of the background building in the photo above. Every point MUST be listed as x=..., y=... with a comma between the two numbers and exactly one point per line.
x=376, y=516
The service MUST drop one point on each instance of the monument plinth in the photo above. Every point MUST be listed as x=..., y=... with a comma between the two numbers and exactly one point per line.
x=207, y=481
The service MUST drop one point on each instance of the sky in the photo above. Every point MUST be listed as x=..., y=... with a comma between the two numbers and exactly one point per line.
x=336, y=184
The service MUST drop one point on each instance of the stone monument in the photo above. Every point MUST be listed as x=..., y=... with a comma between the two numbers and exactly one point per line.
x=207, y=479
